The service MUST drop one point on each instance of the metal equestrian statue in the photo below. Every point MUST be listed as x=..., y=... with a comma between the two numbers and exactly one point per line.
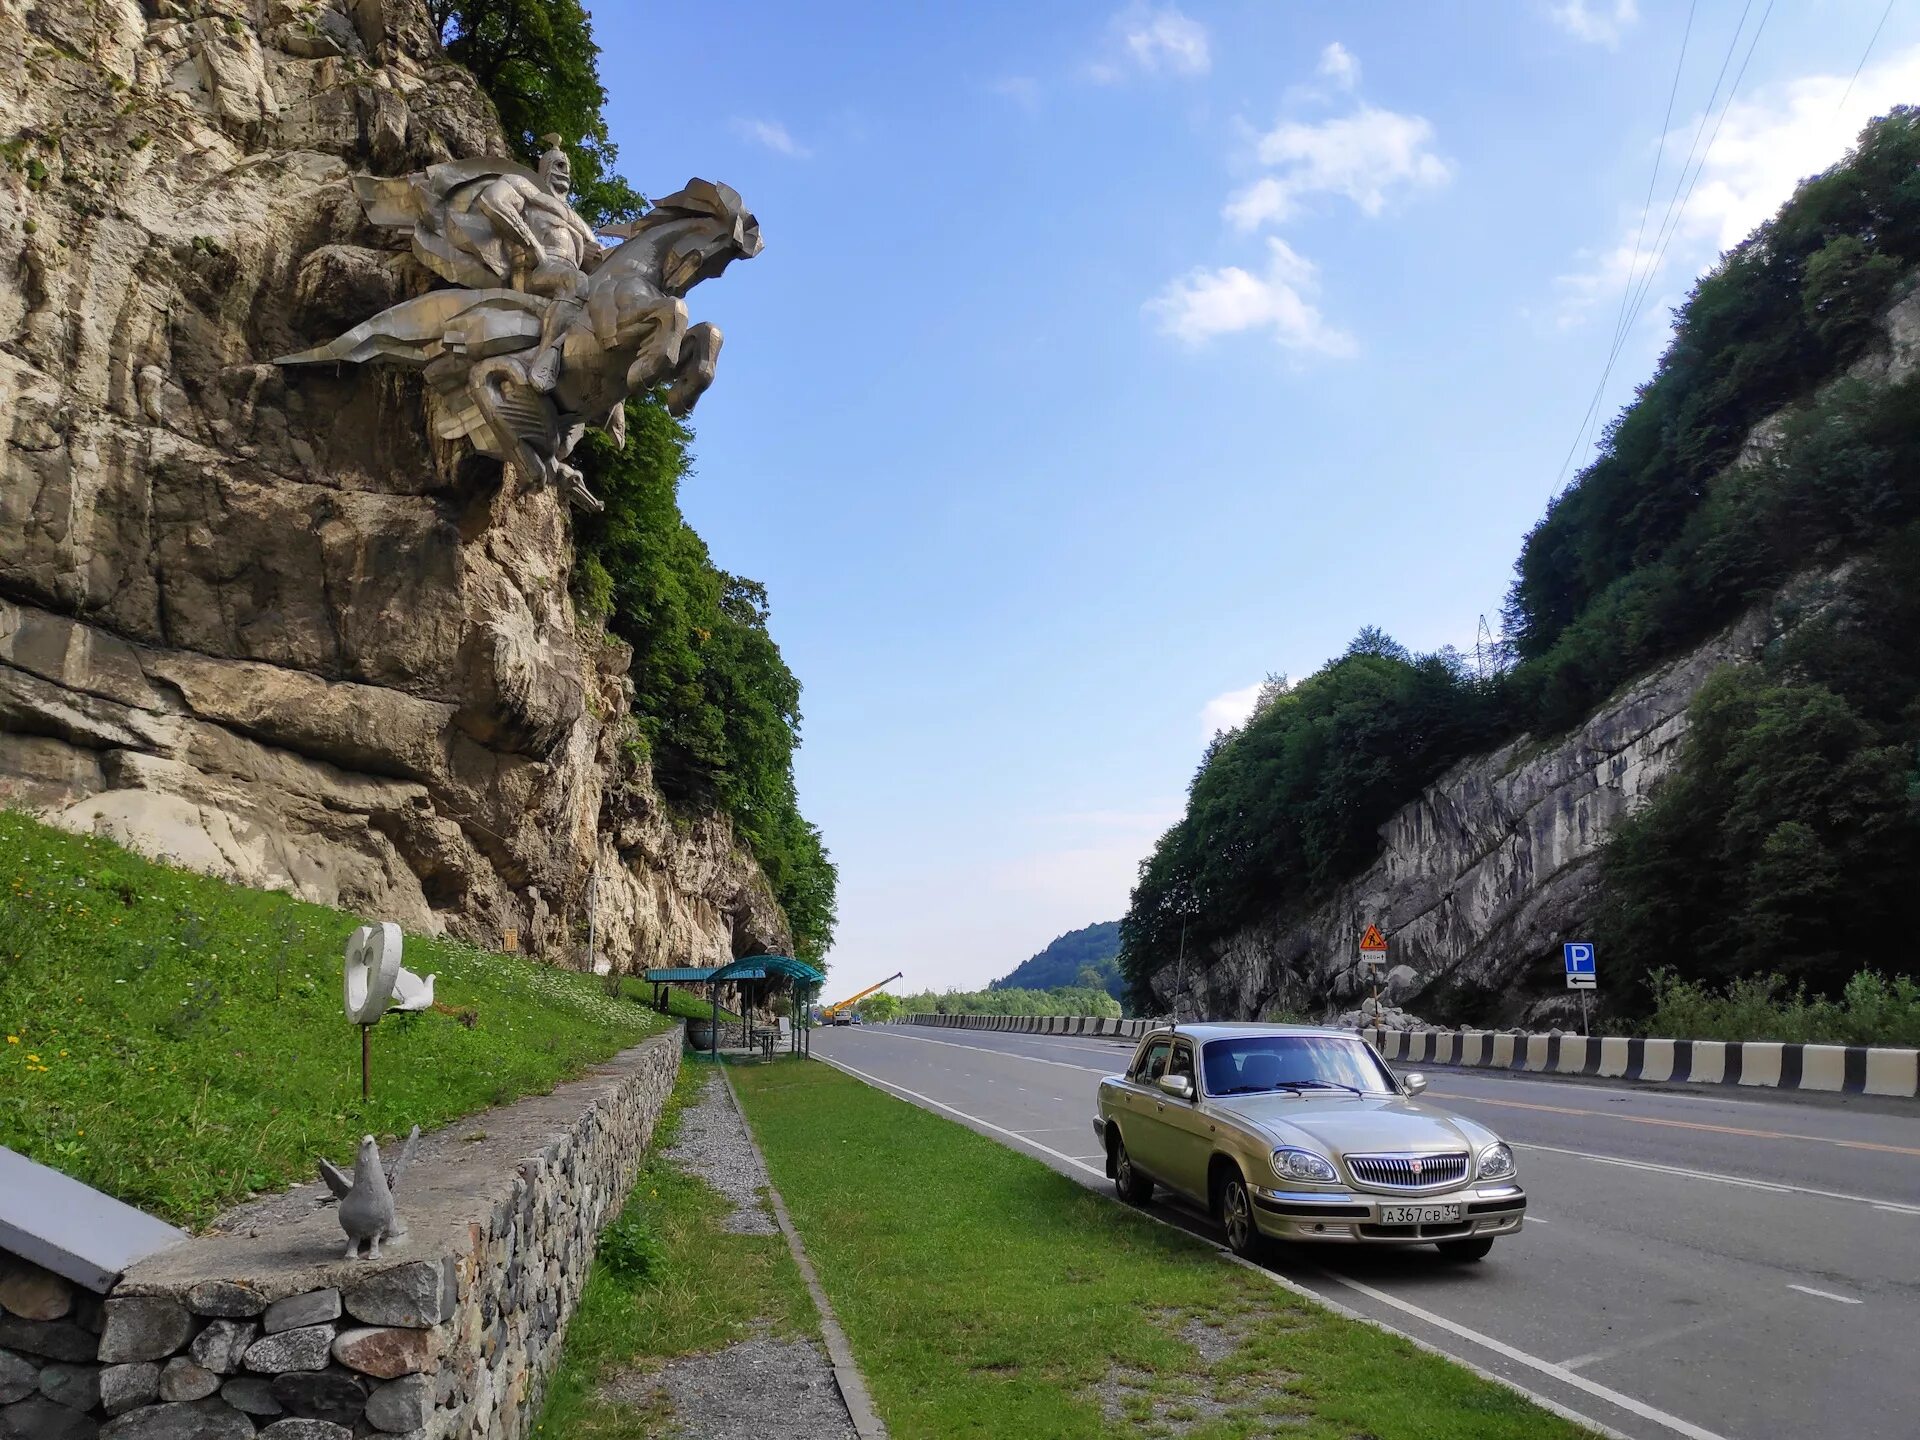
x=547, y=330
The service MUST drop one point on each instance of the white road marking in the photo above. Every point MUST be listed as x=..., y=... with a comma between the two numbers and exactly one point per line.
x=1893, y=1207
x=1534, y=1362
x=1826, y=1294
x=1498, y=1347
x=1013, y=1135
x=1659, y=1337
x=1009, y=1054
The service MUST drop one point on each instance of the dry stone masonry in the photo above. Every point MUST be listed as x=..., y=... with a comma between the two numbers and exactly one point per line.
x=261, y=1328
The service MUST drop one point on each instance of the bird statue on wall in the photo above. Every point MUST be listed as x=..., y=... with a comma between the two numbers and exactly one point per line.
x=366, y=1197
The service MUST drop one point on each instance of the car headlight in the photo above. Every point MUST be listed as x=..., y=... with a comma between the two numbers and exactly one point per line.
x=1496, y=1163
x=1302, y=1165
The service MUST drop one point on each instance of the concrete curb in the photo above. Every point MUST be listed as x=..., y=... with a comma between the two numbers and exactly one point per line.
x=846, y=1370
x=1755, y=1064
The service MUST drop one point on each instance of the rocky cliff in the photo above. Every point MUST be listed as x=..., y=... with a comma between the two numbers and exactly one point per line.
x=1479, y=880
x=265, y=624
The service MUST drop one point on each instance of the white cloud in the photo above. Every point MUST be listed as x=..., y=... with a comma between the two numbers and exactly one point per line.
x=1205, y=303
x=773, y=135
x=1154, y=39
x=1022, y=90
x=1229, y=711
x=1765, y=146
x=1595, y=21
x=1338, y=65
x=1367, y=156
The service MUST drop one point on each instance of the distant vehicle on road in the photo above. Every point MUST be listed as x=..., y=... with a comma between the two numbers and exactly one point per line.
x=1295, y=1133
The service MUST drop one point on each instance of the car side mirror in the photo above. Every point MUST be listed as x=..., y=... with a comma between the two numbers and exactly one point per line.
x=1413, y=1083
x=1178, y=1086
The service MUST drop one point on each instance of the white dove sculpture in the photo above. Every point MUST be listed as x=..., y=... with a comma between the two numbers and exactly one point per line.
x=410, y=992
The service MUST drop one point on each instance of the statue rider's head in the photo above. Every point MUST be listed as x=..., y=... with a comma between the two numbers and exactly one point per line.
x=556, y=170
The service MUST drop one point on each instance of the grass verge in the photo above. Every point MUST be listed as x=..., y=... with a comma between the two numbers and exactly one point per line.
x=179, y=1042
x=667, y=1281
x=680, y=1004
x=984, y=1294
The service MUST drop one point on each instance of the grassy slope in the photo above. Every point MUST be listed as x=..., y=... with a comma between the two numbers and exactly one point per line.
x=180, y=1042
x=986, y=1295
x=704, y=1288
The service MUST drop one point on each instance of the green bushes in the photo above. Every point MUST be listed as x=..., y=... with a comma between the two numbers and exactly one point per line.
x=1061, y=1000
x=716, y=708
x=1871, y=1010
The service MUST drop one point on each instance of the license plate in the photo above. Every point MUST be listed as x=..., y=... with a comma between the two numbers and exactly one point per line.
x=1420, y=1214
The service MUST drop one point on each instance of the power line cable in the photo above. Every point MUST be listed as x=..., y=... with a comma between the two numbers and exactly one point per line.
x=1871, y=40
x=1678, y=202
x=1633, y=265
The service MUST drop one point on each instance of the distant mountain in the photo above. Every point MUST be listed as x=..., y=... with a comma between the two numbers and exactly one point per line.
x=1092, y=947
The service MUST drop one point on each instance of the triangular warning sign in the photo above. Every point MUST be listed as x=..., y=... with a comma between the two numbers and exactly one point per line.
x=1373, y=939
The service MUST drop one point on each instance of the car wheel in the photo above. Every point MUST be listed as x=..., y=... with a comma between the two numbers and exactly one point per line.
x=1235, y=1208
x=1133, y=1187
x=1473, y=1249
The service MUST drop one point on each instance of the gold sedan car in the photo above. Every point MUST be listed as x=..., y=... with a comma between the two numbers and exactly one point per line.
x=1297, y=1133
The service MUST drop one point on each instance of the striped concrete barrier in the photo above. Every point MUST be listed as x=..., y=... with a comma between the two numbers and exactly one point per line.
x=1038, y=1024
x=1768, y=1064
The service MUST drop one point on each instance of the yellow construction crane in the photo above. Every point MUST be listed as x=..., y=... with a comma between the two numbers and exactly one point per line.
x=831, y=1013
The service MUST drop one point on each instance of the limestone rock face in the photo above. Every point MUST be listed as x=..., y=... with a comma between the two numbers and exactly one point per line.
x=1480, y=880
x=1477, y=879
x=266, y=625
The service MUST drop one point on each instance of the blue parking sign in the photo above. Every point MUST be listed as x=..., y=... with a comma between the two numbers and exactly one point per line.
x=1582, y=973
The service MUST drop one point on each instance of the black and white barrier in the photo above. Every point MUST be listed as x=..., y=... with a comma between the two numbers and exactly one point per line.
x=1039, y=1024
x=1842, y=1069
x=1772, y=1064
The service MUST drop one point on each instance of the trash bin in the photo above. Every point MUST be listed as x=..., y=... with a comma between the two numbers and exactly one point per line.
x=700, y=1034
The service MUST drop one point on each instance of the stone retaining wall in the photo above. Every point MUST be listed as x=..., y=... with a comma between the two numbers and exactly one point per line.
x=262, y=1327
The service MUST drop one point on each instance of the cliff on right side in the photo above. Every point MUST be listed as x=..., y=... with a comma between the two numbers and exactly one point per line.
x=1698, y=743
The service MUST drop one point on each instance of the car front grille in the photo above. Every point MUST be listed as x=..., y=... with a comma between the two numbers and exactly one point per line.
x=1408, y=1172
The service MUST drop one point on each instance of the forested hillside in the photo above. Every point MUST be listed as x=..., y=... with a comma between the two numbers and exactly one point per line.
x=716, y=710
x=1087, y=957
x=1785, y=843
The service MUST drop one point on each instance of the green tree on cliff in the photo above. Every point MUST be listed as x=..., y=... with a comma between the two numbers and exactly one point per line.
x=538, y=63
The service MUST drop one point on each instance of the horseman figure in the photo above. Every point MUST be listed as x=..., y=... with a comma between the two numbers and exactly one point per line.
x=547, y=330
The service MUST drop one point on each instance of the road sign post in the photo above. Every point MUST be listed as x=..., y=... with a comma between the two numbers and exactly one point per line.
x=1373, y=955
x=1581, y=958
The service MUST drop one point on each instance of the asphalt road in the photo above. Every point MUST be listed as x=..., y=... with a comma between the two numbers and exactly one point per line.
x=1701, y=1264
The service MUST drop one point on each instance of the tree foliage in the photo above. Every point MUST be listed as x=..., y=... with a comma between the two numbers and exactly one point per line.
x=716, y=710
x=538, y=63
x=1794, y=809
x=1060, y=1000
x=1086, y=958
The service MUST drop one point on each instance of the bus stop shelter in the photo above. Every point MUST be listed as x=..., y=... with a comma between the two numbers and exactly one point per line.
x=759, y=978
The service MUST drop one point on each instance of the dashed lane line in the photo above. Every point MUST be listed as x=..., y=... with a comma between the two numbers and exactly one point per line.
x=1498, y=1347
x=1826, y=1294
x=1775, y=1186
x=1664, y=1123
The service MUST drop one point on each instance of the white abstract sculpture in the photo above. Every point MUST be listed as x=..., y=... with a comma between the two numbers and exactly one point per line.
x=373, y=967
x=375, y=980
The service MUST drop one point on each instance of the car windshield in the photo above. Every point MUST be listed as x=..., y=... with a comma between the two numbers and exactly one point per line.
x=1257, y=1063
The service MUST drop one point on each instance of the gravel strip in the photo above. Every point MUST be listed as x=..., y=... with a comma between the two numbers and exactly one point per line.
x=756, y=1390
x=713, y=1144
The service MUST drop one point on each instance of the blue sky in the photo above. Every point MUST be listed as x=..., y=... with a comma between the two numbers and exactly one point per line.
x=1104, y=359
